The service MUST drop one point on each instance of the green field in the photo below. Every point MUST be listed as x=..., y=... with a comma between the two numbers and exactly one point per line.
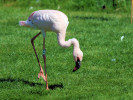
x=107, y=67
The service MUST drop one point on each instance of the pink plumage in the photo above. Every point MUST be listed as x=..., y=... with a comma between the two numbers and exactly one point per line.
x=55, y=21
x=48, y=20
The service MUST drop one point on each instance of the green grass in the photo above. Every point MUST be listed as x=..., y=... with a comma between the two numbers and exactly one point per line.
x=106, y=71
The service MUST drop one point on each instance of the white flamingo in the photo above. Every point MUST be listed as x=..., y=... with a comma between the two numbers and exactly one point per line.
x=56, y=21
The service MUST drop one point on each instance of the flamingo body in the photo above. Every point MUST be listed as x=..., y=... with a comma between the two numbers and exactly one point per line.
x=56, y=21
x=48, y=20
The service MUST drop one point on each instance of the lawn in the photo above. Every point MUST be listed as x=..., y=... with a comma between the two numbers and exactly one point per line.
x=107, y=67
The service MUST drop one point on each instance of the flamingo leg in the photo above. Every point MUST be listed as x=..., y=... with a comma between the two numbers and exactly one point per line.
x=44, y=58
x=41, y=70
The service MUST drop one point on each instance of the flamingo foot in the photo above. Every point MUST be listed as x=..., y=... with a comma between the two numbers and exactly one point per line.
x=41, y=74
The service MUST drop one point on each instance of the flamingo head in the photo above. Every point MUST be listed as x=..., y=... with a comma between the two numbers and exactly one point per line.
x=78, y=56
x=28, y=22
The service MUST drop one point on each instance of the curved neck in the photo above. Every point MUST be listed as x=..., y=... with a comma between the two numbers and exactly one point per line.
x=75, y=43
x=63, y=43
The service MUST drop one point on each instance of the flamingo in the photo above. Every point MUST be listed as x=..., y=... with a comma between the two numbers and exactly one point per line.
x=55, y=21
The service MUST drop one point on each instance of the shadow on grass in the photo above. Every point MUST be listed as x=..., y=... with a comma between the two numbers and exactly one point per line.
x=52, y=87
x=92, y=18
x=20, y=80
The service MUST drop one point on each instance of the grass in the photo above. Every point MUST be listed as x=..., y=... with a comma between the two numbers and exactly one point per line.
x=106, y=71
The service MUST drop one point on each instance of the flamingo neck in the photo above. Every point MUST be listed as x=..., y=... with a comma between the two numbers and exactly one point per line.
x=75, y=44
x=73, y=41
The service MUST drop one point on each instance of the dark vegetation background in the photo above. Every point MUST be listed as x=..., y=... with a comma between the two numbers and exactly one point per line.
x=121, y=5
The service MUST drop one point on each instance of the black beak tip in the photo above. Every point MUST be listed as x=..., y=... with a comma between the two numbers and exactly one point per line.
x=78, y=63
x=75, y=68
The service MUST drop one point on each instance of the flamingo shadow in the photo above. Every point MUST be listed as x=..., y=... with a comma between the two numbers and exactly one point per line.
x=52, y=87
x=20, y=80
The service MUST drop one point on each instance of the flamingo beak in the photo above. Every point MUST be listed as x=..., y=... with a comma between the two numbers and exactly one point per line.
x=78, y=64
x=23, y=23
